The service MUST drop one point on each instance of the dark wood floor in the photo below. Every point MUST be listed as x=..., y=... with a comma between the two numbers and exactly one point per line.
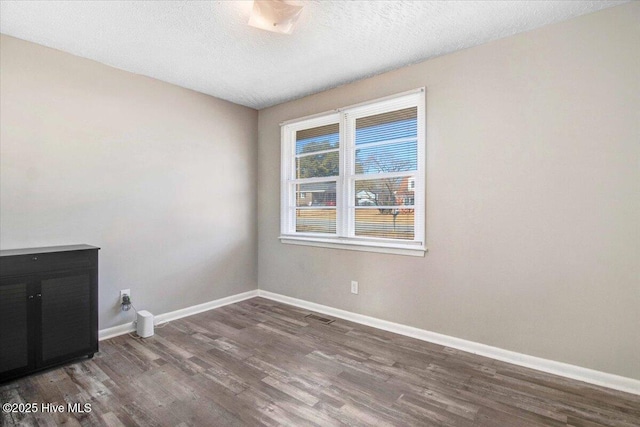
x=259, y=362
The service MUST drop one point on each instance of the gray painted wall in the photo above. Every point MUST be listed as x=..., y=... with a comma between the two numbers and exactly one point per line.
x=144, y=169
x=533, y=207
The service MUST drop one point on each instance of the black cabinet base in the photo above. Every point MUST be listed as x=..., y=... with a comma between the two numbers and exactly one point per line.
x=78, y=359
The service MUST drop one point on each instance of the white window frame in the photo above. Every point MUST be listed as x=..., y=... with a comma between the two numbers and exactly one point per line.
x=345, y=237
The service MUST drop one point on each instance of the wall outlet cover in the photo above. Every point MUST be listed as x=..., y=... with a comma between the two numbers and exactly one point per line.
x=125, y=292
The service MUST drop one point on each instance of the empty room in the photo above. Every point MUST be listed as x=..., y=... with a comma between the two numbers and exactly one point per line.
x=320, y=213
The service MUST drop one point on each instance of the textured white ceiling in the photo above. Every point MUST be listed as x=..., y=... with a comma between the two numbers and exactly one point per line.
x=207, y=46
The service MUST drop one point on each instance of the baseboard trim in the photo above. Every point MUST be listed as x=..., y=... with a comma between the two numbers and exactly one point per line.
x=105, y=334
x=579, y=373
x=115, y=331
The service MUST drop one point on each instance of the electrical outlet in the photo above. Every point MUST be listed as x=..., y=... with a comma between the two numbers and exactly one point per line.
x=354, y=287
x=124, y=292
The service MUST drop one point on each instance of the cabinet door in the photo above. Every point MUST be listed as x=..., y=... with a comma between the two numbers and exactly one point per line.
x=16, y=329
x=66, y=318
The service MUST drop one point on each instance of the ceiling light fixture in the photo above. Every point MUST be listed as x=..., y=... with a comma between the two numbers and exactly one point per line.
x=274, y=15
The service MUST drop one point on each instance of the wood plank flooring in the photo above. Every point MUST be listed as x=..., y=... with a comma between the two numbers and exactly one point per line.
x=259, y=362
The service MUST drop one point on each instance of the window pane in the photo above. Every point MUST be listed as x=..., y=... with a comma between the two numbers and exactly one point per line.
x=316, y=220
x=385, y=192
x=385, y=223
x=316, y=194
x=317, y=139
x=393, y=157
x=318, y=165
x=387, y=126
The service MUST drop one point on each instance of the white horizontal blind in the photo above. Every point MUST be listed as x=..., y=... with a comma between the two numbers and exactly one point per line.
x=358, y=175
x=385, y=164
x=315, y=178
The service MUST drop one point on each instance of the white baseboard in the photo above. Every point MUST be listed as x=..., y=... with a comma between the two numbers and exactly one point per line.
x=105, y=334
x=115, y=331
x=587, y=375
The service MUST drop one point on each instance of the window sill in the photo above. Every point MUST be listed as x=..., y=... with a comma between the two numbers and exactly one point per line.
x=355, y=245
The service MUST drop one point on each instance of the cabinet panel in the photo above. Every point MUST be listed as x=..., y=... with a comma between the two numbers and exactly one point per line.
x=14, y=327
x=65, y=305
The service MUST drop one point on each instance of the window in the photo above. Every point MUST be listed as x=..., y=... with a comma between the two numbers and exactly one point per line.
x=354, y=178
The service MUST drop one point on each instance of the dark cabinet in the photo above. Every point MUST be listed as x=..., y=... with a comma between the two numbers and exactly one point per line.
x=48, y=307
